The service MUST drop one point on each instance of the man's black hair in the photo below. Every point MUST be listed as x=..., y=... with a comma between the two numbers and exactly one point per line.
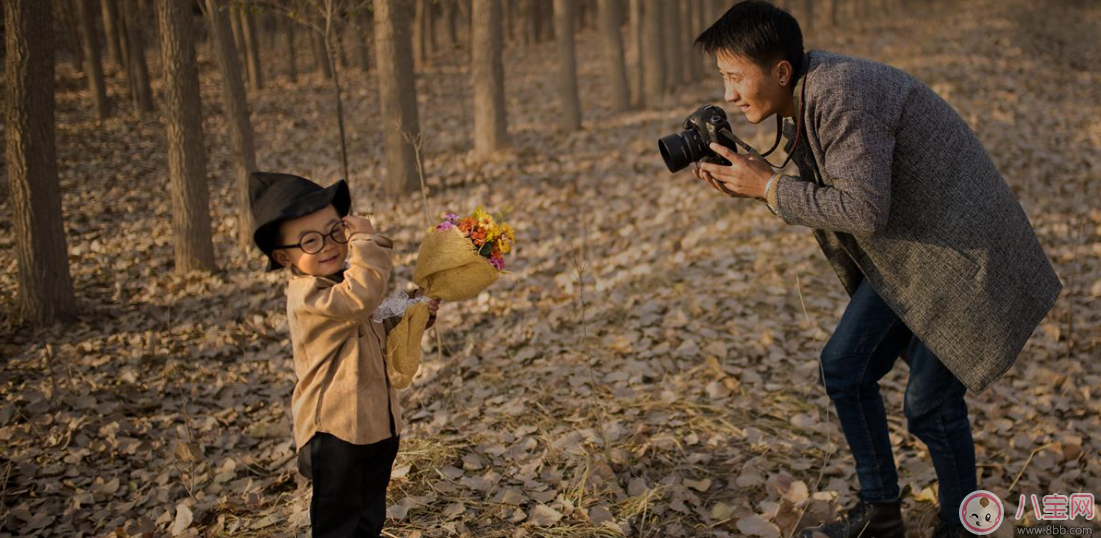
x=759, y=31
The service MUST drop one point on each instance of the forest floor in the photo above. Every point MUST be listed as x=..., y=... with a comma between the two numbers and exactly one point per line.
x=648, y=368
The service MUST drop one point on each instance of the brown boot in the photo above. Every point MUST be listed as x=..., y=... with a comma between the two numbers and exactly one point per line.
x=865, y=520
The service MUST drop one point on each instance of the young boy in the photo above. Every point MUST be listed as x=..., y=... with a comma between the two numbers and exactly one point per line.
x=347, y=417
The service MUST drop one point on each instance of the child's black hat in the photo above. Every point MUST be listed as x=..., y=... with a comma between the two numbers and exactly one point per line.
x=278, y=197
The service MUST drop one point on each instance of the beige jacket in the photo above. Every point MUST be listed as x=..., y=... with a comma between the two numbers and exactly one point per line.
x=339, y=356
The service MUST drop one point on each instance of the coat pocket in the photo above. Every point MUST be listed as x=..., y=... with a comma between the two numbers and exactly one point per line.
x=962, y=265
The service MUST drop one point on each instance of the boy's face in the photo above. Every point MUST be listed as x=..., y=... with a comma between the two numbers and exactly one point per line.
x=305, y=231
x=756, y=91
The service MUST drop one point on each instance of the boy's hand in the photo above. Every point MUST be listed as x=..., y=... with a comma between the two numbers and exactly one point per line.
x=433, y=306
x=358, y=225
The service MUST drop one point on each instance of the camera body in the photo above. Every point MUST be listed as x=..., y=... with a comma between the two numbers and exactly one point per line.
x=706, y=125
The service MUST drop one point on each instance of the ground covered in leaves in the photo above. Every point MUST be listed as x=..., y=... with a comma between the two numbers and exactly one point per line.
x=648, y=368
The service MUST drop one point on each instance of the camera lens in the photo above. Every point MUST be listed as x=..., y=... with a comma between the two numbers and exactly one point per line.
x=682, y=149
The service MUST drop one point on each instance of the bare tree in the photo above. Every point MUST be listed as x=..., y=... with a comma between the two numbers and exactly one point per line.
x=249, y=31
x=613, y=53
x=320, y=55
x=111, y=30
x=237, y=116
x=674, y=52
x=634, y=33
x=447, y=8
x=397, y=95
x=235, y=17
x=358, y=32
x=488, y=72
x=45, y=287
x=137, y=70
x=692, y=65
x=564, y=18
x=66, y=13
x=420, y=34
x=93, y=68
x=292, y=49
x=192, y=242
x=529, y=16
x=653, y=54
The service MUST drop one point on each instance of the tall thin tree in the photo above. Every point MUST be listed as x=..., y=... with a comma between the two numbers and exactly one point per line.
x=616, y=68
x=250, y=31
x=111, y=30
x=488, y=78
x=569, y=118
x=137, y=70
x=397, y=95
x=237, y=115
x=634, y=32
x=192, y=239
x=93, y=67
x=675, y=66
x=653, y=54
x=45, y=287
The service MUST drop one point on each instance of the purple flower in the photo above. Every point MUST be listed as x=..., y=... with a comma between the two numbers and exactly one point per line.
x=445, y=226
x=451, y=217
x=498, y=263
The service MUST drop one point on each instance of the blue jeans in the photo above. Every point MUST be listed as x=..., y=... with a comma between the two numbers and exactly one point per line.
x=861, y=351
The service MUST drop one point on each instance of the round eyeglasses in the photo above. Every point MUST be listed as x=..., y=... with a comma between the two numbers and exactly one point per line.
x=314, y=242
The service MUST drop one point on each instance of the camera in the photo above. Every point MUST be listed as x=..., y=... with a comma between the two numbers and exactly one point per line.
x=706, y=125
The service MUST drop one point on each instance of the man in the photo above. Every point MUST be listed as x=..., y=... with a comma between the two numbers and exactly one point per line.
x=940, y=261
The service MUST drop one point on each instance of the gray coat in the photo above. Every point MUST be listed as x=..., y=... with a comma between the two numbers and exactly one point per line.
x=900, y=191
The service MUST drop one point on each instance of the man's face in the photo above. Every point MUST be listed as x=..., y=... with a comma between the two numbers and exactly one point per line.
x=753, y=90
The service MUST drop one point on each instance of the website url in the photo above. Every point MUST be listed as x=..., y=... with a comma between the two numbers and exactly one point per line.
x=1054, y=530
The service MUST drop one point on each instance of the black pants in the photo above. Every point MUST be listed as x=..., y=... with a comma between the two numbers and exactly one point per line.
x=349, y=485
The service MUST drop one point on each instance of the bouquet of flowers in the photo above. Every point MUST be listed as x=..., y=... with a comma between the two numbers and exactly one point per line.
x=462, y=256
x=459, y=258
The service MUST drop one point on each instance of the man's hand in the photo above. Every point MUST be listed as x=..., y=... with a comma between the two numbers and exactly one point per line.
x=358, y=225
x=746, y=176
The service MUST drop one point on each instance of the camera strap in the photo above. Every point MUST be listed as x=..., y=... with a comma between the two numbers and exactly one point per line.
x=780, y=129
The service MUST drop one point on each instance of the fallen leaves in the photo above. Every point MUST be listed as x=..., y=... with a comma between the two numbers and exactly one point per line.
x=663, y=383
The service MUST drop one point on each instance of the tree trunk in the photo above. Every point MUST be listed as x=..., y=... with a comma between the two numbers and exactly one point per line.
x=564, y=18
x=137, y=70
x=702, y=22
x=397, y=95
x=45, y=287
x=634, y=48
x=67, y=14
x=488, y=72
x=332, y=40
x=194, y=250
x=420, y=34
x=92, y=65
x=449, y=37
x=507, y=32
x=292, y=49
x=529, y=16
x=358, y=33
x=252, y=51
x=674, y=51
x=237, y=115
x=653, y=54
x=235, y=16
x=808, y=16
x=692, y=63
x=111, y=30
x=323, y=65
x=613, y=54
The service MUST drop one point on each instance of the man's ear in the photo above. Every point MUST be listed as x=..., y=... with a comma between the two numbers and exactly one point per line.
x=784, y=72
